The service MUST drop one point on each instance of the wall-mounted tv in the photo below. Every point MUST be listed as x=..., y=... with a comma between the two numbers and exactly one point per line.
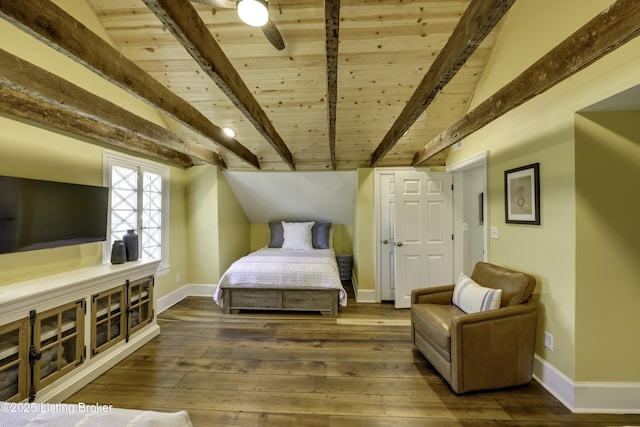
x=37, y=214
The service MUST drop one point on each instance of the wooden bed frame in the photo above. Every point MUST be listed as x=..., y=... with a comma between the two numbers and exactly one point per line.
x=238, y=298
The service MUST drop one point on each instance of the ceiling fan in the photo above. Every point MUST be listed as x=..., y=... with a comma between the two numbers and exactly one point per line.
x=254, y=13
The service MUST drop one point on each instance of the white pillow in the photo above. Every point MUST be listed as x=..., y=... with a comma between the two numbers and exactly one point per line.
x=297, y=235
x=470, y=297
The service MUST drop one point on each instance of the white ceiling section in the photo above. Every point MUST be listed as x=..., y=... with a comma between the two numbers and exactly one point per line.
x=273, y=196
x=628, y=100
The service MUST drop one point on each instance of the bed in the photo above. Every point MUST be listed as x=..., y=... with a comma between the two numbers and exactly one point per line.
x=286, y=275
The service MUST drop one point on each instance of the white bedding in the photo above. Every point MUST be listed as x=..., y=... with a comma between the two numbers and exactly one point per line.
x=284, y=268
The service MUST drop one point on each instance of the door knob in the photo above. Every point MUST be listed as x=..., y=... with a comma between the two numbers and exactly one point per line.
x=399, y=244
x=385, y=241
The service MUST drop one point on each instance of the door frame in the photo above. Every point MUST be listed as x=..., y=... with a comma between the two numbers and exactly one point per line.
x=458, y=169
x=378, y=215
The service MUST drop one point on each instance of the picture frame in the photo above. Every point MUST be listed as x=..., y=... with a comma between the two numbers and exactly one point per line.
x=522, y=195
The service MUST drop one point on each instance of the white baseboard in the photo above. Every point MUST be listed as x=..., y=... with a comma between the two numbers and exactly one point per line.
x=607, y=398
x=363, y=295
x=587, y=397
x=556, y=383
x=188, y=290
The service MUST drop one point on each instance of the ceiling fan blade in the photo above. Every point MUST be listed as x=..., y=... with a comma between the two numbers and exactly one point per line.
x=222, y=4
x=273, y=35
x=269, y=29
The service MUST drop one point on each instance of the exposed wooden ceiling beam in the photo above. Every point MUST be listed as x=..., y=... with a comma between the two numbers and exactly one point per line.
x=32, y=93
x=480, y=17
x=609, y=30
x=332, y=22
x=50, y=24
x=185, y=24
x=18, y=104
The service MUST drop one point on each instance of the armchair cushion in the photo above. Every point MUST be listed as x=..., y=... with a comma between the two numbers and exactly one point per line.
x=473, y=298
x=437, y=320
x=517, y=287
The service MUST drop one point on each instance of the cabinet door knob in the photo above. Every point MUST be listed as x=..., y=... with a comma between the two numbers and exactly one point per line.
x=385, y=241
x=399, y=244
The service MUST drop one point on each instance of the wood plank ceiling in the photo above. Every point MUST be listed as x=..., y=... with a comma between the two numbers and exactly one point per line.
x=385, y=49
x=358, y=83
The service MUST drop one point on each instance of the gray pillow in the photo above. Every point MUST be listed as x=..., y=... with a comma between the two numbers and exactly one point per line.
x=276, y=234
x=320, y=235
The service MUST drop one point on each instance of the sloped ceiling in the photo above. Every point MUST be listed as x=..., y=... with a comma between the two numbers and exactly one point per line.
x=274, y=196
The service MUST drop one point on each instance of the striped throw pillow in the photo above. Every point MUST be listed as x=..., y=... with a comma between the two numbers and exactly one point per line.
x=470, y=297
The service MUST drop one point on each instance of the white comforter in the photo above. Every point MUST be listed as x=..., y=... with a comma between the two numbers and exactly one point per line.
x=284, y=268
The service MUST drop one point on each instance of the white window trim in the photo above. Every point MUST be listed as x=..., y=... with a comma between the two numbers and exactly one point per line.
x=111, y=158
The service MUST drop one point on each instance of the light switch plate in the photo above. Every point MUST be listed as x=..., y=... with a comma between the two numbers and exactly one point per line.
x=548, y=340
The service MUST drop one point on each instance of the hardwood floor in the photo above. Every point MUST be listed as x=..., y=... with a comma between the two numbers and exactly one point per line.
x=278, y=369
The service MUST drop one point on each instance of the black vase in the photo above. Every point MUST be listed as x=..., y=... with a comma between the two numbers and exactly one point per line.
x=131, y=244
x=118, y=252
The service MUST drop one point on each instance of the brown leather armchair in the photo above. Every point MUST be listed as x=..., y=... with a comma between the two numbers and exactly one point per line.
x=479, y=351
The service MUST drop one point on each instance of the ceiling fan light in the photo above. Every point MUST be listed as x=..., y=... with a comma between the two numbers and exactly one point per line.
x=253, y=12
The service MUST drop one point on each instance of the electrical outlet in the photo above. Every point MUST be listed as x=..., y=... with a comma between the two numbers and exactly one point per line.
x=494, y=232
x=548, y=340
x=178, y=278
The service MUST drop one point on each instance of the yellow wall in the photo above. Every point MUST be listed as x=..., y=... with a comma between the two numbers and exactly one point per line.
x=543, y=130
x=608, y=248
x=363, y=246
x=202, y=221
x=177, y=275
x=29, y=152
x=32, y=152
x=217, y=228
x=234, y=230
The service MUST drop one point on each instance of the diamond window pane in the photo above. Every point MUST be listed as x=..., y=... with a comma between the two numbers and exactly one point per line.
x=151, y=216
x=138, y=197
x=124, y=201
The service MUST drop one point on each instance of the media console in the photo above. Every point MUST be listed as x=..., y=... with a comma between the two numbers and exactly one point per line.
x=60, y=332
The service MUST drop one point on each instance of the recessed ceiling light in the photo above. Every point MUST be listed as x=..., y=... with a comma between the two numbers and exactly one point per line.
x=230, y=132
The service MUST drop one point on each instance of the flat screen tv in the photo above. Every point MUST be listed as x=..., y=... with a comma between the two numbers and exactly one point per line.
x=37, y=214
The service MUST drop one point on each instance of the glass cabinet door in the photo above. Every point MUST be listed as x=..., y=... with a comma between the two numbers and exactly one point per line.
x=59, y=340
x=108, y=311
x=14, y=361
x=140, y=303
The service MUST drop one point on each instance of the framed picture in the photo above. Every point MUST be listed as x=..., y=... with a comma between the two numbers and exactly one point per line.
x=522, y=195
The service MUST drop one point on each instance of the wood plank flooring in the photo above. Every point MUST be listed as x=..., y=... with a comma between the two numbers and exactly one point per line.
x=297, y=369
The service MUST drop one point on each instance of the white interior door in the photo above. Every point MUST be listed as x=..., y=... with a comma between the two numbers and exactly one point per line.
x=423, y=232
